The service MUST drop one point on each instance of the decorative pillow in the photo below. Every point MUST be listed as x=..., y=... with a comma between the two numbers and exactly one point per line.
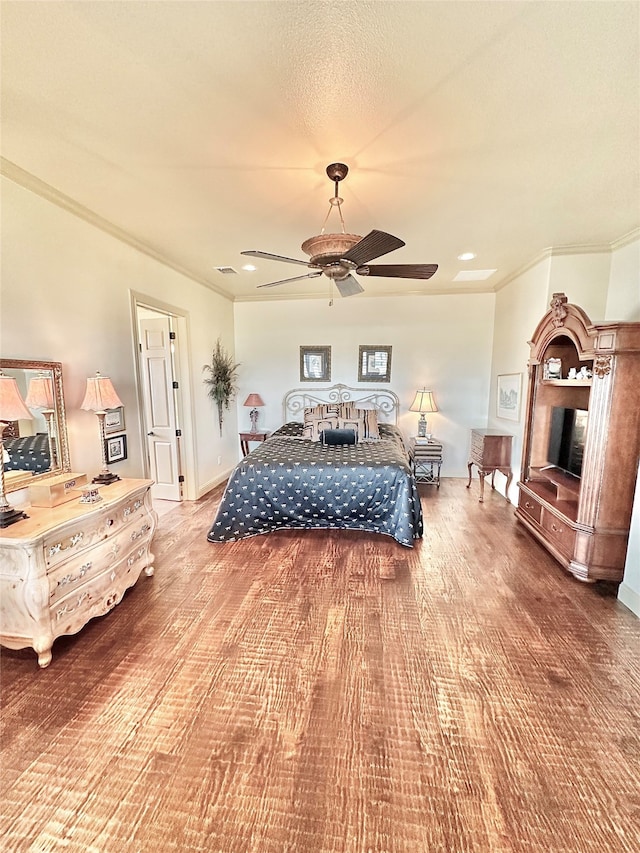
x=324, y=410
x=370, y=430
x=311, y=430
x=338, y=436
x=355, y=424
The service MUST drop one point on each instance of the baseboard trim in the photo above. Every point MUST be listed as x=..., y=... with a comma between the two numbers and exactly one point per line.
x=630, y=598
x=213, y=484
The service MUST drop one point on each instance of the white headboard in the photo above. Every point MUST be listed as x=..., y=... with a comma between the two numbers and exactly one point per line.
x=384, y=401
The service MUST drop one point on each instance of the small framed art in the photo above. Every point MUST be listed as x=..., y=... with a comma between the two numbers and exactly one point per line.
x=508, y=396
x=374, y=364
x=116, y=448
x=315, y=364
x=114, y=420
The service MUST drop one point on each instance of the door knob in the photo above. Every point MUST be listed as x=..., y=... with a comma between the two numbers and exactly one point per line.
x=151, y=433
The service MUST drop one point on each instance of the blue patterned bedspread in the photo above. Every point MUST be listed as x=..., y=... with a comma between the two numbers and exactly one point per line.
x=288, y=482
x=29, y=453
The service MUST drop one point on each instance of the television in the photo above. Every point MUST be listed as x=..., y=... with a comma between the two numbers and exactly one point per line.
x=566, y=439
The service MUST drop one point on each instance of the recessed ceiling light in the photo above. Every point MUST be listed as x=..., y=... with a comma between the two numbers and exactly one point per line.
x=249, y=268
x=466, y=256
x=473, y=275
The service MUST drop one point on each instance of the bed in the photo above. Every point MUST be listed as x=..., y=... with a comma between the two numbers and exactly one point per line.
x=28, y=453
x=292, y=481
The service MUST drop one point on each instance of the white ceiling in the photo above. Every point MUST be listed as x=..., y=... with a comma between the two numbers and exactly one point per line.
x=199, y=129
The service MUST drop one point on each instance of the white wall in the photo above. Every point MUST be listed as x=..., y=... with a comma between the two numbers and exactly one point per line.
x=443, y=342
x=66, y=297
x=519, y=307
x=623, y=297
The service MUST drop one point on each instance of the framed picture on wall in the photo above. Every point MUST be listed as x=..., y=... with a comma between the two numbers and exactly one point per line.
x=114, y=420
x=508, y=396
x=116, y=448
x=374, y=364
x=315, y=364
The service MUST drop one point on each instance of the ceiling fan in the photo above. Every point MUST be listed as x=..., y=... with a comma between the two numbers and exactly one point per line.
x=338, y=256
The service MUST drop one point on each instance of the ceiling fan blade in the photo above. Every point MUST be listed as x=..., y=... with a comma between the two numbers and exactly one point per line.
x=399, y=270
x=375, y=244
x=348, y=286
x=295, y=278
x=254, y=253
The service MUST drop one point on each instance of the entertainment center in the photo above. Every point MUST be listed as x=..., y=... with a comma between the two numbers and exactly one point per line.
x=581, y=440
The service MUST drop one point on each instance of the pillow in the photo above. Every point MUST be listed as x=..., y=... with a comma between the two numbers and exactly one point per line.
x=370, y=430
x=325, y=410
x=338, y=436
x=311, y=430
x=355, y=424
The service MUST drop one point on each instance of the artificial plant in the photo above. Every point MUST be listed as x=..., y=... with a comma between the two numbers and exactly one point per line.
x=221, y=379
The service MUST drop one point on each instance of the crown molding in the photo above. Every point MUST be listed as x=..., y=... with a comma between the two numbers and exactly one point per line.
x=35, y=185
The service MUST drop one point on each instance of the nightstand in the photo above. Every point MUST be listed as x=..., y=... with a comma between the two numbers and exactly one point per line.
x=246, y=437
x=490, y=452
x=426, y=461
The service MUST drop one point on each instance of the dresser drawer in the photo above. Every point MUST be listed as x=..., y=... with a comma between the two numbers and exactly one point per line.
x=98, y=595
x=530, y=507
x=559, y=533
x=81, y=568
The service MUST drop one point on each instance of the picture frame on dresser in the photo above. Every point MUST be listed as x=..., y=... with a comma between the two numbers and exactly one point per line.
x=508, y=396
x=116, y=448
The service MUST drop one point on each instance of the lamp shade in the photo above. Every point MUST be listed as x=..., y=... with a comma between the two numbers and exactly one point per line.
x=100, y=395
x=40, y=393
x=253, y=400
x=423, y=402
x=12, y=407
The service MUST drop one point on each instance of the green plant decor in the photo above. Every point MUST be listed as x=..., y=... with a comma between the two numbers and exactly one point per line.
x=221, y=379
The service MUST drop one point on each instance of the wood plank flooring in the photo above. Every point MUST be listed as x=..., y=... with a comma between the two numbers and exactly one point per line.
x=330, y=692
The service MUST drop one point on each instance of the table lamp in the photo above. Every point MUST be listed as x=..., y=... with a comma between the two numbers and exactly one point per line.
x=422, y=403
x=12, y=408
x=253, y=400
x=40, y=396
x=100, y=396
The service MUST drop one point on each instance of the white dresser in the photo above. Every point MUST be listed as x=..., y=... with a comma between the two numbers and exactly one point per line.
x=63, y=566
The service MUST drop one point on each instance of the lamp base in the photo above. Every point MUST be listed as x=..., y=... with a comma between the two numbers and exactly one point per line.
x=422, y=427
x=105, y=478
x=10, y=516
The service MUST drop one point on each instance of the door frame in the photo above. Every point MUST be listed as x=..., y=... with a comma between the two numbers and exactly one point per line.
x=184, y=409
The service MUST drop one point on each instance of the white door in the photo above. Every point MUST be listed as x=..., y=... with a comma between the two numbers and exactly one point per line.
x=159, y=408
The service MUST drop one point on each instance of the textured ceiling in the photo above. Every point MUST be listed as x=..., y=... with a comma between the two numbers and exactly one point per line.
x=199, y=129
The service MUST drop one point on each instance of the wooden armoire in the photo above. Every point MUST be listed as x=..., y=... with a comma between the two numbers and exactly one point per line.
x=582, y=518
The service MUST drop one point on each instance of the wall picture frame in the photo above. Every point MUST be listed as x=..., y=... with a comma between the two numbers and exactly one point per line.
x=116, y=448
x=114, y=420
x=315, y=364
x=374, y=364
x=509, y=392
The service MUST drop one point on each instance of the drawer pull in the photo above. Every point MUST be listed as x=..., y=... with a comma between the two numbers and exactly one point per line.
x=528, y=505
x=73, y=541
x=144, y=529
x=134, y=557
x=557, y=529
x=73, y=578
x=67, y=609
x=129, y=509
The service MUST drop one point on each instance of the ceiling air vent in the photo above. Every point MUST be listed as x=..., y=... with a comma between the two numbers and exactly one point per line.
x=227, y=270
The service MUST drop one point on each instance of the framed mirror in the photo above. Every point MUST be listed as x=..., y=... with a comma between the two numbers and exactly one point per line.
x=374, y=364
x=315, y=364
x=36, y=448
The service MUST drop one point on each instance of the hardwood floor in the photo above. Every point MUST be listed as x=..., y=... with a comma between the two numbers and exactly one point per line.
x=332, y=692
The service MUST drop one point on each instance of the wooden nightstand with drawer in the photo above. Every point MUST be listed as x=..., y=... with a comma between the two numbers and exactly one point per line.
x=490, y=452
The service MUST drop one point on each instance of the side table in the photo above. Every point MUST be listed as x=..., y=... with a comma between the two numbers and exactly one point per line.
x=246, y=437
x=490, y=452
x=426, y=461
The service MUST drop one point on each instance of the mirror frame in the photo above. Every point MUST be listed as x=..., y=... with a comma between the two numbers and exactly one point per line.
x=64, y=465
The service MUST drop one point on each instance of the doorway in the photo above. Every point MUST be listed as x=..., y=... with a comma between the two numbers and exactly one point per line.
x=163, y=391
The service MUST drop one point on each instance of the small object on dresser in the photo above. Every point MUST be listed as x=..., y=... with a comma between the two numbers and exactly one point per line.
x=552, y=369
x=55, y=490
x=90, y=493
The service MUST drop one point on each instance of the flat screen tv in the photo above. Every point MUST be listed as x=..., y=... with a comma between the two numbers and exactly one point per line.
x=566, y=439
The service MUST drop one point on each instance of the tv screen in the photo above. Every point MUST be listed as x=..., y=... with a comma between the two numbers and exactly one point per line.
x=566, y=439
